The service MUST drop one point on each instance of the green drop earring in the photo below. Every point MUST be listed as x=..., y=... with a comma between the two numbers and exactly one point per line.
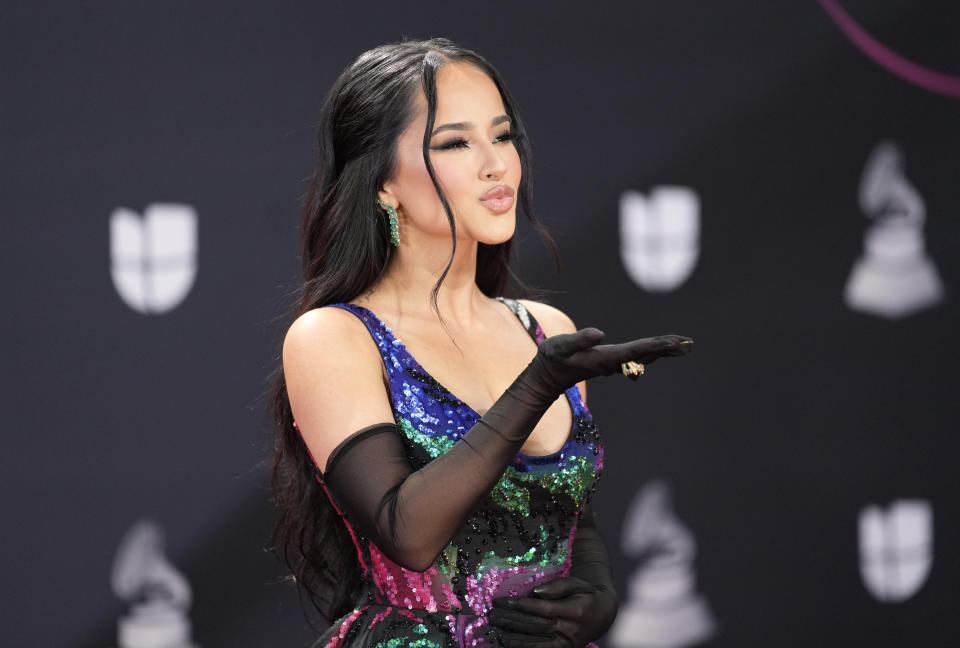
x=392, y=215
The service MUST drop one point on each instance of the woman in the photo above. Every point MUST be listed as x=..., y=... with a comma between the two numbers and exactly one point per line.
x=409, y=517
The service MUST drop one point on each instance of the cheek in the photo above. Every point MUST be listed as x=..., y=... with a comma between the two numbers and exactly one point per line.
x=453, y=174
x=515, y=167
x=422, y=204
x=418, y=191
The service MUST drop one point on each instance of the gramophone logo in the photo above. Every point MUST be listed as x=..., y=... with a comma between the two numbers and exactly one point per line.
x=660, y=236
x=158, y=594
x=896, y=549
x=662, y=609
x=154, y=258
x=894, y=277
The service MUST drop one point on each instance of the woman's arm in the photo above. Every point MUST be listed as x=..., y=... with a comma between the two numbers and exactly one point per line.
x=591, y=563
x=334, y=394
x=335, y=379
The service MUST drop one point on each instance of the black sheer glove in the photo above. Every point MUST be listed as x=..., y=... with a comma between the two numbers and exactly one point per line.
x=371, y=480
x=566, y=612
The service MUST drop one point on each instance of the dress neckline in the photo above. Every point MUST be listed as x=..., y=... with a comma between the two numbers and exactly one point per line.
x=398, y=343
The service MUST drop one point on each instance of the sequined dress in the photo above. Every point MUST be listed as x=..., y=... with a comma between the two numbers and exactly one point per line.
x=518, y=537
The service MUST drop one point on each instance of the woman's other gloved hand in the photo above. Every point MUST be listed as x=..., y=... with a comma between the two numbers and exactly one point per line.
x=564, y=613
x=568, y=611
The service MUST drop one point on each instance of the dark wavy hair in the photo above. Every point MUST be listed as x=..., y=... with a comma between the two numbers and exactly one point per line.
x=346, y=248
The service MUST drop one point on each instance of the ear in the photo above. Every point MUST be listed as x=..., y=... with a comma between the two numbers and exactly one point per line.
x=386, y=194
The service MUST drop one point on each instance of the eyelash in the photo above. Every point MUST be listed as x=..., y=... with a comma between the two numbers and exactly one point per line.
x=462, y=143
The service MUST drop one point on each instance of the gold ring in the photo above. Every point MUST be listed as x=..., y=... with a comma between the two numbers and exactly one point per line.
x=632, y=368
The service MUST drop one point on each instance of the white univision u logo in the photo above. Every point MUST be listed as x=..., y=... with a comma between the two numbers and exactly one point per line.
x=154, y=258
x=896, y=549
x=660, y=236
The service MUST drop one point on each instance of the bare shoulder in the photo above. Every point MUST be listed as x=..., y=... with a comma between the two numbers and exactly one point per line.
x=552, y=319
x=334, y=378
x=325, y=341
x=327, y=331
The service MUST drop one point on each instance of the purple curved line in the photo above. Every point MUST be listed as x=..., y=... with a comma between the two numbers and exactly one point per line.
x=887, y=58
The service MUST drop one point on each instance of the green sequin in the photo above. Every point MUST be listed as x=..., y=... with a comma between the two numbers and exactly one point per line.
x=391, y=643
x=509, y=495
x=447, y=560
x=512, y=489
x=557, y=558
x=405, y=642
x=574, y=480
x=512, y=492
x=435, y=446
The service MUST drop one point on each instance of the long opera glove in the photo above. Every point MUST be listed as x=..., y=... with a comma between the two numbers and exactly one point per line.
x=373, y=484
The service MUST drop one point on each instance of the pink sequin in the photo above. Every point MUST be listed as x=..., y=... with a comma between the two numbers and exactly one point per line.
x=540, y=335
x=452, y=602
x=429, y=590
x=337, y=639
x=382, y=577
x=353, y=536
x=419, y=583
x=380, y=617
x=410, y=615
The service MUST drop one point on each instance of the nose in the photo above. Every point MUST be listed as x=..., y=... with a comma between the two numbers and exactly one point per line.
x=494, y=166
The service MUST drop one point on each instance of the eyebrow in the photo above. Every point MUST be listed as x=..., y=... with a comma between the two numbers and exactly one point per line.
x=468, y=125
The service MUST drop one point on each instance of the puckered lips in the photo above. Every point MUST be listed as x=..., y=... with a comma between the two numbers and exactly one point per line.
x=498, y=199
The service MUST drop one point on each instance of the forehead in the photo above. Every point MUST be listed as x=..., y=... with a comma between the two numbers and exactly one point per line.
x=464, y=93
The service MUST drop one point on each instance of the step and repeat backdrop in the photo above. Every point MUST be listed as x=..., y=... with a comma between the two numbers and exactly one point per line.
x=780, y=181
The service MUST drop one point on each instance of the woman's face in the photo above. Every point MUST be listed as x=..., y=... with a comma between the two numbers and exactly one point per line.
x=471, y=152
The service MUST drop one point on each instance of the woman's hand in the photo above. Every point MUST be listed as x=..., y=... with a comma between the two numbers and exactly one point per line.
x=563, y=613
x=566, y=359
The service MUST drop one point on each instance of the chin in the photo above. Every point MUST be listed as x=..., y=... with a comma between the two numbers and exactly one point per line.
x=497, y=229
x=496, y=237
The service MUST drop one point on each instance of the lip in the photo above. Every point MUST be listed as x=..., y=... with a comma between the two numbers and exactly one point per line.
x=500, y=191
x=498, y=199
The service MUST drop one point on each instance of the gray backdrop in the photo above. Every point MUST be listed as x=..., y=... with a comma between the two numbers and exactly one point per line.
x=795, y=412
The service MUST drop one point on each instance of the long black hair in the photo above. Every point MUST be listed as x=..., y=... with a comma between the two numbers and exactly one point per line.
x=346, y=248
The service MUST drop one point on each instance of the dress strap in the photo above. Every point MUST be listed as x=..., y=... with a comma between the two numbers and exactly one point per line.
x=526, y=318
x=382, y=336
x=378, y=330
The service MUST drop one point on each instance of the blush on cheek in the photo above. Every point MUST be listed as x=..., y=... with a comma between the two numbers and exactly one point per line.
x=458, y=186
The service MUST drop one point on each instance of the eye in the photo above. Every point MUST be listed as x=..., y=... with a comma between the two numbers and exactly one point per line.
x=452, y=144
x=459, y=142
